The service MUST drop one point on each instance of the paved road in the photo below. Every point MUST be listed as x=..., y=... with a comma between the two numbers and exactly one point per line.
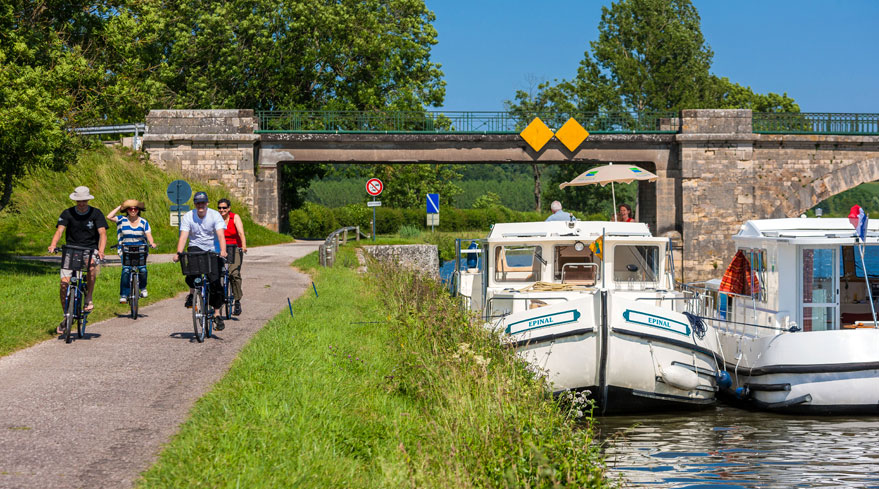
x=95, y=413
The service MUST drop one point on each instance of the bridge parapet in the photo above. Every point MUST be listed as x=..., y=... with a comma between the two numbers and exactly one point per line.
x=219, y=146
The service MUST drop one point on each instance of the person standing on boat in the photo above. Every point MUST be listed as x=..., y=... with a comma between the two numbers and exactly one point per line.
x=558, y=214
x=625, y=214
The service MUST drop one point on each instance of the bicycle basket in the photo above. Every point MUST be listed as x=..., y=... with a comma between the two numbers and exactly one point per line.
x=204, y=263
x=75, y=258
x=134, y=255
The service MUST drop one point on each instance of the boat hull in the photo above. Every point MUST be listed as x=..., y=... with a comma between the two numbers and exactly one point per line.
x=629, y=356
x=821, y=372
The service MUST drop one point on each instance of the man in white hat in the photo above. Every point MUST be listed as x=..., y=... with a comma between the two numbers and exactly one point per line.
x=84, y=226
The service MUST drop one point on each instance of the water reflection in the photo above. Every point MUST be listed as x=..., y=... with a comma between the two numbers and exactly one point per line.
x=731, y=448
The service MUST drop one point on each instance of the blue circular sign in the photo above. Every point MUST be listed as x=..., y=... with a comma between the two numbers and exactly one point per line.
x=179, y=191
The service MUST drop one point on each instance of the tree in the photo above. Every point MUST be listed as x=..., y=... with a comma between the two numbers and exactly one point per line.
x=650, y=56
x=274, y=54
x=407, y=185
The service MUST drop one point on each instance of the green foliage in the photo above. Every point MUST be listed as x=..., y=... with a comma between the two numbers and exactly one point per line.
x=407, y=231
x=487, y=201
x=407, y=185
x=374, y=391
x=33, y=288
x=337, y=193
x=650, y=55
x=317, y=221
x=26, y=227
x=312, y=221
x=272, y=54
x=839, y=205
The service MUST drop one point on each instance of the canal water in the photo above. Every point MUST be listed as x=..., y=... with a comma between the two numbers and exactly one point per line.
x=732, y=448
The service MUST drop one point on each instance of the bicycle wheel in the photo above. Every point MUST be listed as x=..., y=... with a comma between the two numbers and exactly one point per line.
x=71, y=311
x=199, y=314
x=209, y=323
x=135, y=294
x=83, y=316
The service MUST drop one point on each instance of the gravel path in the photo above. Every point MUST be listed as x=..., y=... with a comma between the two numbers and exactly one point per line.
x=96, y=412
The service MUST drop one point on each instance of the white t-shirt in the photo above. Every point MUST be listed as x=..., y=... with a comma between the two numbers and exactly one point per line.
x=202, y=231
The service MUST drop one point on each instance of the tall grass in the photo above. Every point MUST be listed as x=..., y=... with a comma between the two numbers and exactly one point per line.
x=377, y=382
x=113, y=175
x=33, y=309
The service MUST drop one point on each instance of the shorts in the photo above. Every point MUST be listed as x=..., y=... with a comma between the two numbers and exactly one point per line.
x=65, y=273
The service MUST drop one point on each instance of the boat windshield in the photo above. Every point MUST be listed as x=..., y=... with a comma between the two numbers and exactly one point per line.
x=636, y=264
x=518, y=263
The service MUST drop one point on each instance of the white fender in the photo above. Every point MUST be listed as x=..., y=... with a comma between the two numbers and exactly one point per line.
x=680, y=377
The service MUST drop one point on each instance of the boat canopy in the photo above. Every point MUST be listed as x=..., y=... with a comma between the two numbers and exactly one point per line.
x=805, y=230
x=560, y=230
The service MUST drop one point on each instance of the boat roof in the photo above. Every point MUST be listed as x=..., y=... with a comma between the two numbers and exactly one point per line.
x=805, y=230
x=562, y=230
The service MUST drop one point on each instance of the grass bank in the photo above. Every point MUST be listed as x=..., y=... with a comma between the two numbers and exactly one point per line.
x=380, y=381
x=113, y=175
x=30, y=289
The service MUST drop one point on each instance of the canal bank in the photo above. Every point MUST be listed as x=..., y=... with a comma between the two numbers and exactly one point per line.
x=378, y=380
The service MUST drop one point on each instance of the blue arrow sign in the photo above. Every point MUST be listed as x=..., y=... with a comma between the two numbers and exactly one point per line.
x=433, y=203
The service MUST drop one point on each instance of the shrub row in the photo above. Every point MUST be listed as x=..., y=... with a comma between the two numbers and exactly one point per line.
x=316, y=221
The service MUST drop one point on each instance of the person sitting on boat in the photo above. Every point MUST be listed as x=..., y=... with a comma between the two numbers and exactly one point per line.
x=625, y=214
x=558, y=214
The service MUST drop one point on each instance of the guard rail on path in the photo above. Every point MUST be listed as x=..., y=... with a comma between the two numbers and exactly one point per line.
x=330, y=248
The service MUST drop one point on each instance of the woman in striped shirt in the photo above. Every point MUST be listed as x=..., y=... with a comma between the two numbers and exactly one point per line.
x=131, y=229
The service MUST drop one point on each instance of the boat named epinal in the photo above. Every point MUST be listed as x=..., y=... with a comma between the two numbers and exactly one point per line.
x=594, y=307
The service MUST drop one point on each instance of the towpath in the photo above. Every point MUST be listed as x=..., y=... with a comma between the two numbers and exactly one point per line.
x=95, y=413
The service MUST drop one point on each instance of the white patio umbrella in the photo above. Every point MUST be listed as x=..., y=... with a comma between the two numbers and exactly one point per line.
x=611, y=173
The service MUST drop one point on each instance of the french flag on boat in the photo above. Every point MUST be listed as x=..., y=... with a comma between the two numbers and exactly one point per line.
x=858, y=217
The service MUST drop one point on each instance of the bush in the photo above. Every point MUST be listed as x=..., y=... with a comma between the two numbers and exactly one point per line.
x=407, y=231
x=312, y=221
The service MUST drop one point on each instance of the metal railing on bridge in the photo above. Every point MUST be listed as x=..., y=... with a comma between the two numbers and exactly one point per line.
x=815, y=123
x=454, y=122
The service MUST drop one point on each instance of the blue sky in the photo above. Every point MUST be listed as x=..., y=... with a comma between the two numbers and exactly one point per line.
x=824, y=54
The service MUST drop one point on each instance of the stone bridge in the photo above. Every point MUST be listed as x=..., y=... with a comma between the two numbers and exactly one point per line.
x=714, y=173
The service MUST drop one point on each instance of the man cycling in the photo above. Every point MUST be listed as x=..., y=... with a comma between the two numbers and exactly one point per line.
x=85, y=226
x=200, y=226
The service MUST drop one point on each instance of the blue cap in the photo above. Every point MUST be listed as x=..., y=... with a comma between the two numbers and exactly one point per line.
x=200, y=197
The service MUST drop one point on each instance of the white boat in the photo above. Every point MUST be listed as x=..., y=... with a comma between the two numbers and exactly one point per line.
x=592, y=305
x=803, y=340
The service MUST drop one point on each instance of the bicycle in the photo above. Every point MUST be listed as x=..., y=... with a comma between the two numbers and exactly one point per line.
x=134, y=256
x=202, y=265
x=77, y=259
x=232, y=254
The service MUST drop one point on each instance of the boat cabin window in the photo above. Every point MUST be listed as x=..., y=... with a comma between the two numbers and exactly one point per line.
x=757, y=260
x=575, y=267
x=518, y=263
x=636, y=263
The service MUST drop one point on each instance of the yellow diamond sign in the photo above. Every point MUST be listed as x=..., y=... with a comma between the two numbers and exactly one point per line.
x=572, y=134
x=536, y=134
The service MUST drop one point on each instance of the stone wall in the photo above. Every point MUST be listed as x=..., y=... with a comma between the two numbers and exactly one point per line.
x=423, y=258
x=730, y=175
x=214, y=145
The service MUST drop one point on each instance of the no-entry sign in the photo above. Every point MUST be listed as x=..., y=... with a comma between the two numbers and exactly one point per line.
x=374, y=187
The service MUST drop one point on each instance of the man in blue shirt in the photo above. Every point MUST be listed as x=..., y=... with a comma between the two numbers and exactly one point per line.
x=558, y=214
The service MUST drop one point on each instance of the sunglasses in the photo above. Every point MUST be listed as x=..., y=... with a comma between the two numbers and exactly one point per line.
x=133, y=209
x=223, y=208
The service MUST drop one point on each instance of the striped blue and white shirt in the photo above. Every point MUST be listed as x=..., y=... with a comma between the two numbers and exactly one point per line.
x=131, y=234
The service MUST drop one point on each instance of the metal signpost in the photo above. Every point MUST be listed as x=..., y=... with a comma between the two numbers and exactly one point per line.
x=374, y=187
x=178, y=192
x=432, y=210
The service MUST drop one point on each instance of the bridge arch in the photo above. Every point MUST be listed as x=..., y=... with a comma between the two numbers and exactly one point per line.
x=835, y=181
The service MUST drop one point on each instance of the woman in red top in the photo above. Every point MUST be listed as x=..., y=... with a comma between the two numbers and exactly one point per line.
x=234, y=236
x=624, y=215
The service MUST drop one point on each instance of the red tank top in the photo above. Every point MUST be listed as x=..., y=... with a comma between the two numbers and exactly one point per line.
x=231, y=231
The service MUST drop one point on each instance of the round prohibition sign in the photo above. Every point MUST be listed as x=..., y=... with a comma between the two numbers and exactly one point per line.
x=374, y=186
